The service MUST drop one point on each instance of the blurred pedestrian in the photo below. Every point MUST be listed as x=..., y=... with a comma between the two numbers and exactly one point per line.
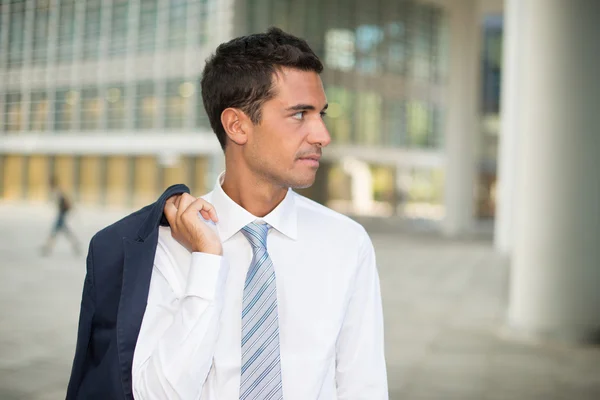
x=64, y=206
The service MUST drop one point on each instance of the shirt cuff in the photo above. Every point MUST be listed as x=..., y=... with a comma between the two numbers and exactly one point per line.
x=207, y=275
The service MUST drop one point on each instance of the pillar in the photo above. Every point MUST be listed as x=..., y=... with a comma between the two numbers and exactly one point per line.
x=510, y=110
x=462, y=116
x=555, y=276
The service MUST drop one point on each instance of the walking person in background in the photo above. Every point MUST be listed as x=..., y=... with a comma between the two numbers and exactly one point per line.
x=64, y=206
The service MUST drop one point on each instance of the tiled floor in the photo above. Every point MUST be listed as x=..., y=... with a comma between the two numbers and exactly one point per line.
x=443, y=300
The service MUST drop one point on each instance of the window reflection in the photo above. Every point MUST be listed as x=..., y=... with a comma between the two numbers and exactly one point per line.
x=65, y=104
x=91, y=29
x=91, y=109
x=340, y=114
x=368, y=39
x=118, y=31
x=146, y=106
x=40, y=32
x=178, y=98
x=368, y=123
x=16, y=28
x=177, y=23
x=147, y=26
x=13, y=116
x=115, y=107
x=38, y=111
x=66, y=30
x=394, y=118
x=339, y=49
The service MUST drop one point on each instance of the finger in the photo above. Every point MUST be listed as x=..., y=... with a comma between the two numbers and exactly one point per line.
x=184, y=203
x=173, y=199
x=171, y=213
x=205, y=214
x=206, y=206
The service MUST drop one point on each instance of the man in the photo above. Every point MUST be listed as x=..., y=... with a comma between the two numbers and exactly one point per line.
x=268, y=295
x=60, y=224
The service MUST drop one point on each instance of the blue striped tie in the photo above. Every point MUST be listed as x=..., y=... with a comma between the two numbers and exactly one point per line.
x=261, y=367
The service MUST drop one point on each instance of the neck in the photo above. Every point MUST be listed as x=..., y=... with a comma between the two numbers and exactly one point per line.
x=254, y=193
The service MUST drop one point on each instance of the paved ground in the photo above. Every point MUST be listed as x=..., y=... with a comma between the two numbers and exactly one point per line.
x=443, y=302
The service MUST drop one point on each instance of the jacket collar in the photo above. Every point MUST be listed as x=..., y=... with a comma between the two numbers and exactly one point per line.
x=156, y=217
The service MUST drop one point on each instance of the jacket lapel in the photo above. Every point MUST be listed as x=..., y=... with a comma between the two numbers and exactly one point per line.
x=137, y=271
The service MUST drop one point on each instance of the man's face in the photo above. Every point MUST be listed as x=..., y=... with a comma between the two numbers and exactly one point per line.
x=285, y=147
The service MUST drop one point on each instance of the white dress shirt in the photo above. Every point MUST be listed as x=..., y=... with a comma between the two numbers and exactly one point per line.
x=328, y=296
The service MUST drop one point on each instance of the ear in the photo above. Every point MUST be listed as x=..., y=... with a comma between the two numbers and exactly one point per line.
x=236, y=124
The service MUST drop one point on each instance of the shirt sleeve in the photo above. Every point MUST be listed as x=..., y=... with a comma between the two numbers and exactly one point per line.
x=360, y=360
x=180, y=336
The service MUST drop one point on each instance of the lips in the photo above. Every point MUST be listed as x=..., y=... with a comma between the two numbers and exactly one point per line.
x=314, y=157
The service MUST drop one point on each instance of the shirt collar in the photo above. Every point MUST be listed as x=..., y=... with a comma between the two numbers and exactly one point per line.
x=233, y=217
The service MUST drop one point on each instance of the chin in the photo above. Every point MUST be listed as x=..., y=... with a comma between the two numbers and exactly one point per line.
x=301, y=182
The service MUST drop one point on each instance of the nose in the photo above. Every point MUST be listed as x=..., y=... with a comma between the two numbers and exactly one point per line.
x=319, y=134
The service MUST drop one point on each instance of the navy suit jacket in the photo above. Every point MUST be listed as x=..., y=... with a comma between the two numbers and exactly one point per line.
x=115, y=291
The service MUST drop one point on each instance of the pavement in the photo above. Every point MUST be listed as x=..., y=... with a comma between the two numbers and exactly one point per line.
x=444, y=303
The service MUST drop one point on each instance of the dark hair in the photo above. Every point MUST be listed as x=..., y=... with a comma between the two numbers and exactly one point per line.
x=240, y=73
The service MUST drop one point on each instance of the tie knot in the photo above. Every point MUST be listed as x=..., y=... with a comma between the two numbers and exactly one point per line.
x=256, y=235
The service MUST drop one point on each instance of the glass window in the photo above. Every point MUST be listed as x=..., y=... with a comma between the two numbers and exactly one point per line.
x=340, y=114
x=368, y=40
x=147, y=28
x=13, y=116
x=178, y=98
x=16, y=30
x=91, y=30
x=39, y=111
x=396, y=48
x=40, y=32
x=203, y=21
x=421, y=191
x=368, y=121
x=202, y=120
x=394, y=118
x=420, y=124
x=424, y=43
x=118, y=31
x=65, y=105
x=146, y=106
x=177, y=23
x=339, y=49
x=91, y=109
x=66, y=30
x=115, y=107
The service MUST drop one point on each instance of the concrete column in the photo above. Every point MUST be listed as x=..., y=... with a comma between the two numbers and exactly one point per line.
x=462, y=115
x=555, y=277
x=510, y=110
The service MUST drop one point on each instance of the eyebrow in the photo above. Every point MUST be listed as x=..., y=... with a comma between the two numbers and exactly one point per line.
x=304, y=107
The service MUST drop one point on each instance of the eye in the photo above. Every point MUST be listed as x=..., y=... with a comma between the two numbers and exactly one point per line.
x=323, y=114
x=299, y=115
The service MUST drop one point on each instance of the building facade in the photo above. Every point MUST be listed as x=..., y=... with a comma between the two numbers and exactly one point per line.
x=105, y=95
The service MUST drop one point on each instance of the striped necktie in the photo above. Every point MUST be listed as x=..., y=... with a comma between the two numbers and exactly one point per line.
x=261, y=367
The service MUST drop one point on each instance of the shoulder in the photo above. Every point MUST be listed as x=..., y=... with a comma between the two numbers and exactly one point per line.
x=327, y=222
x=126, y=227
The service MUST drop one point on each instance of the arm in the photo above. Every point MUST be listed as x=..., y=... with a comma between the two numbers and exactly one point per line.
x=360, y=361
x=81, y=362
x=175, y=358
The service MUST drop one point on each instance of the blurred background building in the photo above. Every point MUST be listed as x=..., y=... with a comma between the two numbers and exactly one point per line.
x=105, y=95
